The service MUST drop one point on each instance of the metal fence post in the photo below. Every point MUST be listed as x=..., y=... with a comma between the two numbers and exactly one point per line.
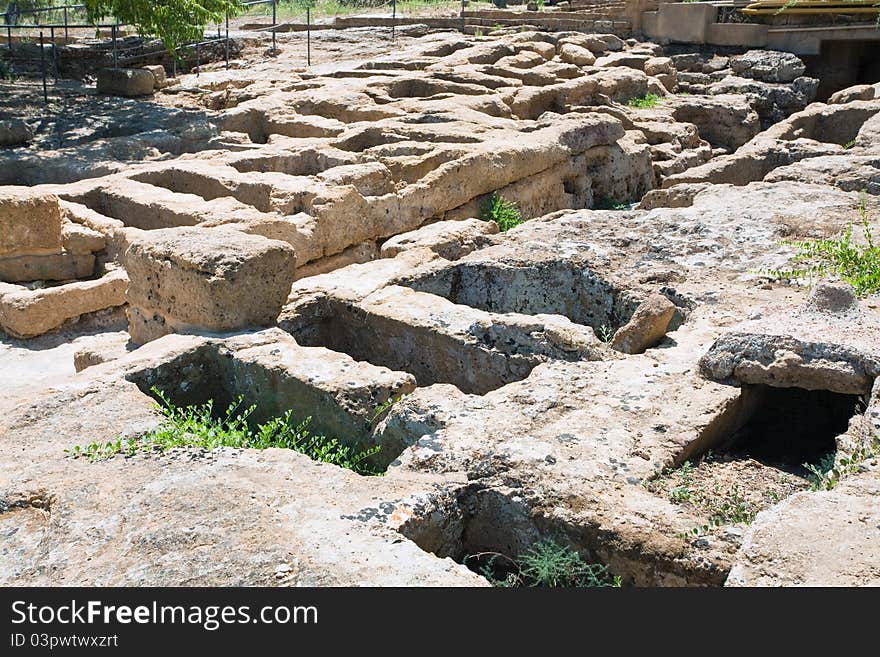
x=462, y=16
x=227, y=40
x=274, y=22
x=198, y=58
x=115, y=50
x=393, y=17
x=308, y=36
x=43, y=68
x=54, y=53
x=66, y=34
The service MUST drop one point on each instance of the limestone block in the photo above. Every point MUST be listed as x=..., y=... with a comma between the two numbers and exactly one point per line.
x=49, y=267
x=193, y=279
x=448, y=239
x=647, y=326
x=27, y=313
x=78, y=239
x=160, y=79
x=30, y=222
x=127, y=82
x=574, y=54
x=14, y=132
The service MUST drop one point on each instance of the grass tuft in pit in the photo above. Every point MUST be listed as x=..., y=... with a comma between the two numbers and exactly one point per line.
x=503, y=212
x=198, y=426
x=545, y=564
x=841, y=257
x=644, y=102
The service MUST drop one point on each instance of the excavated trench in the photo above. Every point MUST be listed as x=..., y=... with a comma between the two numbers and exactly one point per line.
x=473, y=362
x=558, y=287
x=213, y=373
x=489, y=529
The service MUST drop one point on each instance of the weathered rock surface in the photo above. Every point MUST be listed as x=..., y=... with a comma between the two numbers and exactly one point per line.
x=828, y=345
x=827, y=539
x=768, y=65
x=335, y=206
x=448, y=239
x=128, y=82
x=212, y=280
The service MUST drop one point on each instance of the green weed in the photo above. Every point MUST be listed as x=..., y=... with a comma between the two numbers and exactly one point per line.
x=644, y=102
x=830, y=470
x=605, y=333
x=503, y=212
x=854, y=263
x=608, y=203
x=545, y=564
x=198, y=426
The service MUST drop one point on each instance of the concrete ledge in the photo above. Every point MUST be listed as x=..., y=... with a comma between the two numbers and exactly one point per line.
x=737, y=34
x=685, y=22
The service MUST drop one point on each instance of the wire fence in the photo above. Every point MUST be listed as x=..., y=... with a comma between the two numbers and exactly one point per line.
x=61, y=42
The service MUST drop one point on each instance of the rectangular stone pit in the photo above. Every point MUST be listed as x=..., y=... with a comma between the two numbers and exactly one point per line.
x=436, y=340
x=269, y=369
x=192, y=280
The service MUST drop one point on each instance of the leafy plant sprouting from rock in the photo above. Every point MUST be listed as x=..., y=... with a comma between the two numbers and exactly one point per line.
x=546, y=564
x=857, y=264
x=605, y=333
x=644, y=102
x=503, y=212
x=833, y=467
x=198, y=426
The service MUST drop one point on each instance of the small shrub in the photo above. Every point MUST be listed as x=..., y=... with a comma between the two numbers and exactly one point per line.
x=547, y=564
x=849, y=144
x=503, y=212
x=831, y=470
x=644, y=102
x=841, y=257
x=381, y=409
x=197, y=426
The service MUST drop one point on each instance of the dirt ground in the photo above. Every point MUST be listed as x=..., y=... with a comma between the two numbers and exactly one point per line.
x=75, y=113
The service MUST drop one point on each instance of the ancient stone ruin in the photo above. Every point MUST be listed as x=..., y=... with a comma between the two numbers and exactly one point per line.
x=628, y=372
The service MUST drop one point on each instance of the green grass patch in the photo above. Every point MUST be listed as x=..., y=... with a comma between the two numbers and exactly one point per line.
x=644, y=102
x=503, y=212
x=200, y=426
x=841, y=257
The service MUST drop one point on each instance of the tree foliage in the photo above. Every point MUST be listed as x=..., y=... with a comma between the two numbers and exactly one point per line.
x=176, y=22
